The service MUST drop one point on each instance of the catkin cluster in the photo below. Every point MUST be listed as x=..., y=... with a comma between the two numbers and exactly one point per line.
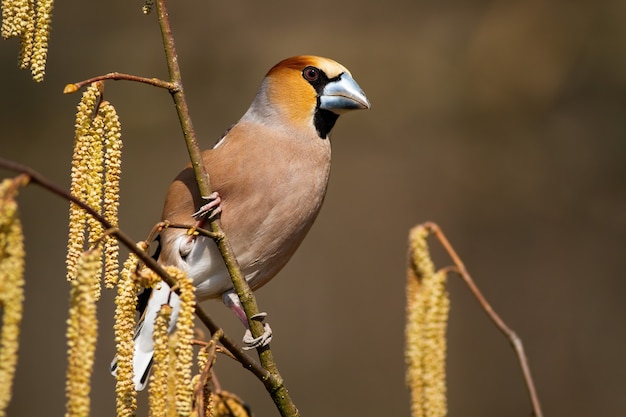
x=184, y=347
x=96, y=167
x=160, y=384
x=124, y=328
x=30, y=21
x=171, y=381
x=427, y=316
x=226, y=404
x=95, y=179
x=11, y=286
x=82, y=334
x=171, y=389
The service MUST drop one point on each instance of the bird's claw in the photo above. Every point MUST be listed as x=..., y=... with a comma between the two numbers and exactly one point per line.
x=257, y=342
x=212, y=208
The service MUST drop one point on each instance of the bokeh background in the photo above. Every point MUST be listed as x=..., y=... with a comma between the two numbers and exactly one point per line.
x=503, y=121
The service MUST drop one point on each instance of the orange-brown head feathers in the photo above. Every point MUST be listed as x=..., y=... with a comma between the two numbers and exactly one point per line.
x=307, y=92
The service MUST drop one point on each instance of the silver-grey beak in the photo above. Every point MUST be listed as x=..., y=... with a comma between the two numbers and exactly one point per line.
x=342, y=95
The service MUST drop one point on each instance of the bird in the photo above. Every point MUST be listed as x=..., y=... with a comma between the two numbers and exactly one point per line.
x=270, y=173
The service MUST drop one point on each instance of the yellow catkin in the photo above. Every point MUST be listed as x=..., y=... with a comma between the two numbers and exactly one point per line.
x=111, y=262
x=95, y=180
x=93, y=188
x=96, y=169
x=94, y=173
x=226, y=404
x=125, y=301
x=184, y=342
x=30, y=21
x=27, y=36
x=8, y=29
x=14, y=17
x=80, y=176
x=77, y=221
x=427, y=315
x=172, y=388
x=203, y=358
x=112, y=168
x=414, y=322
x=161, y=363
x=11, y=288
x=82, y=332
x=435, y=333
x=43, y=17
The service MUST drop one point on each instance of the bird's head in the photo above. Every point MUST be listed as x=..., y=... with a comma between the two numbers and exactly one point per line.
x=307, y=92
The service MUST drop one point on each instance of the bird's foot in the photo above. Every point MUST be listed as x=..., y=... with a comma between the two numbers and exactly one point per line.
x=231, y=300
x=212, y=208
x=257, y=342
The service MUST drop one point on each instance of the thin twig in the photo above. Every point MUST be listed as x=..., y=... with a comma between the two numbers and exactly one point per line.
x=37, y=178
x=273, y=383
x=500, y=324
x=195, y=230
x=195, y=155
x=117, y=76
x=204, y=374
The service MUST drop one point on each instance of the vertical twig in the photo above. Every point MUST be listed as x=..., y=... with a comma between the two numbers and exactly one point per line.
x=274, y=383
x=178, y=94
x=497, y=320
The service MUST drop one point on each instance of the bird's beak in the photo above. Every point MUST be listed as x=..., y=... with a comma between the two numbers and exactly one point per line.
x=342, y=95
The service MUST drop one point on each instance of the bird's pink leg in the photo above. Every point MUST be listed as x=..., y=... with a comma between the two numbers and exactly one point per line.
x=231, y=300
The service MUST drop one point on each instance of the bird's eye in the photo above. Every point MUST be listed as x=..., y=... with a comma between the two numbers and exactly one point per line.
x=311, y=74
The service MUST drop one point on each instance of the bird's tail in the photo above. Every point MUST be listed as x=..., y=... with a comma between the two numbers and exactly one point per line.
x=144, y=346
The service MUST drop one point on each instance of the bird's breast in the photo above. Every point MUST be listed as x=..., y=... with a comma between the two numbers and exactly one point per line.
x=271, y=206
x=272, y=185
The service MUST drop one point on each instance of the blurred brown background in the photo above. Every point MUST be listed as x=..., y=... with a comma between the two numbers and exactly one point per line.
x=503, y=121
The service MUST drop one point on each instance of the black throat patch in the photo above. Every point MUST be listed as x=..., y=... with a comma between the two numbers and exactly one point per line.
x=324, y=120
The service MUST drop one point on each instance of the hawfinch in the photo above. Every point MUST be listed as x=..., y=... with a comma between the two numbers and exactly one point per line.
x=270, y=171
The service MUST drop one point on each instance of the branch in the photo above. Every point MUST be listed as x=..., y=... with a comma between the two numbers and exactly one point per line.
x=515, y=341
x=37, y=178
x=274, y=383
x=116, y=76
x=178, y=95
